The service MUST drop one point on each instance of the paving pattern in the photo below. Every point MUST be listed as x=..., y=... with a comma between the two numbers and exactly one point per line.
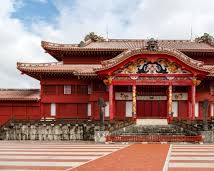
x=50, y=156
x=193, y=157
x=136, y=157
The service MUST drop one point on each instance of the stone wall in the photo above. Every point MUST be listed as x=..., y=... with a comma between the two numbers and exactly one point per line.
x=57, y=130
x=49, y=132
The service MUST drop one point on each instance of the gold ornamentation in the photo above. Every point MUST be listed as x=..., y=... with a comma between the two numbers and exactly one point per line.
x=170, y=99
x=196, y=82
x=131, y=69
x=159, y=66
x=134, y=100
x=172, y=67
x=108, y=81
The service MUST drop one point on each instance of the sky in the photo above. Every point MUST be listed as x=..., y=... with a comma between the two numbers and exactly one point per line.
x=25, y=23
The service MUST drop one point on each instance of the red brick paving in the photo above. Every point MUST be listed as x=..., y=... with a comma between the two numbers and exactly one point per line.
x=189, y=169
x=142, y=157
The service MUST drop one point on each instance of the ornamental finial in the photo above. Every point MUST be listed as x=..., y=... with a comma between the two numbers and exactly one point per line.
x=91, y=37
x=152, y=45
x=206, y=38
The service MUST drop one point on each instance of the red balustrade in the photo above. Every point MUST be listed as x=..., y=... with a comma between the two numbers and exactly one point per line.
x=154, y=138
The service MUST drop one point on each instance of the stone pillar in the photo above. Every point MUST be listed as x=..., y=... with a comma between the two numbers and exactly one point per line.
x=111, y=102
x=170, y=101
x=134, y=101
x=193, y=102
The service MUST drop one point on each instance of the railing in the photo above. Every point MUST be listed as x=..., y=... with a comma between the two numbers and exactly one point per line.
x=154, y=138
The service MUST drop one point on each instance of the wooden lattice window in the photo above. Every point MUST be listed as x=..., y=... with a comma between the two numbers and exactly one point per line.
x=67, y=89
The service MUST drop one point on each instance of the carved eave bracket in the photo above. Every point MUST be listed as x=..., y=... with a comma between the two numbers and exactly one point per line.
x=196, y=82
x=108, y=81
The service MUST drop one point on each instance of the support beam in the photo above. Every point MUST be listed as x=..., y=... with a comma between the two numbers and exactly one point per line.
x=134, y=101
x=111, y=106
x=193, y=87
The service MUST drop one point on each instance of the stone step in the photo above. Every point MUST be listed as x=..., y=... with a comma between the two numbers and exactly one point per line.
x=145, y=122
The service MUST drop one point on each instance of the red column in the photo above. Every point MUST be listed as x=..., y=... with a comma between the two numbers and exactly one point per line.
x=193, y=102
x=134, y=101
x=111, y=102
x=170, y=103
x=189, y=103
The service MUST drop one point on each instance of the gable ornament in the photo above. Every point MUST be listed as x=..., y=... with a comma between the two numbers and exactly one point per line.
x=152, y=45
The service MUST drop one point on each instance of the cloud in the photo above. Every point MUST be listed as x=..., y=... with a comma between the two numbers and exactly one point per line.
x=165, y=19
x=17, y=44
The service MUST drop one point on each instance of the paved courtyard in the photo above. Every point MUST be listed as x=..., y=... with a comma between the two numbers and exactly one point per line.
x=104, y=157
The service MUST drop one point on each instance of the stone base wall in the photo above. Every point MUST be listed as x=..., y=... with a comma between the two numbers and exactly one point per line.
x=57, y=130
x=208, y=136
x=49, y=132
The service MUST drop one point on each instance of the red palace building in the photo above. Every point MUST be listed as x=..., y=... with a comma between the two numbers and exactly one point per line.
x=137, y=78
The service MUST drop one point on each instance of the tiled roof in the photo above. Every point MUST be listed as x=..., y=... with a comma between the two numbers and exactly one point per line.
x=124, y=44
x=20, y=94
x=91, y=69
x=59, y=67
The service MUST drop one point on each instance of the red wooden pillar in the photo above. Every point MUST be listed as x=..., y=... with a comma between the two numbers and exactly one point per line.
x=170, y=102
x=134, y=101
x=193, y=102
x=189, y=103
x=111, y=102
x=41, y=98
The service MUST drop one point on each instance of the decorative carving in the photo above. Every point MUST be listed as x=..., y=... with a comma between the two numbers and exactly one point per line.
x=152, y=45
x=160, y=66
x=206, y=38
x=196, y=82
x=91, y=37
x=108, y=81
x=134, y=101
x=170, y=100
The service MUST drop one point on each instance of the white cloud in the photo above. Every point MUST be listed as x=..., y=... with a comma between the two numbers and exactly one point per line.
x=125, y=19
x=17, y=44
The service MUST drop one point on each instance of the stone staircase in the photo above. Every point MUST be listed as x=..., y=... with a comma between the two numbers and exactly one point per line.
x=153, y=133
x=153, y=130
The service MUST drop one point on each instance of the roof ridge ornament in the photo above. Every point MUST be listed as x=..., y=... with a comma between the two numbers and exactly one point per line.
x=206, y=38
x=91, y=37
x=152, y=45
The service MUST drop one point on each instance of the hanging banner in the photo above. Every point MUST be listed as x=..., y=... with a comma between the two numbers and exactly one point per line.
x=128, y=96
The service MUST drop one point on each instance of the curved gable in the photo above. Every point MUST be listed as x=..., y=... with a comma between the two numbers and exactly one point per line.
x=162, y=61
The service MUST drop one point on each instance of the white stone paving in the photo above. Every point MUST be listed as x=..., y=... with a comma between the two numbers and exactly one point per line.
x=29, y=156
x=192, y=156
